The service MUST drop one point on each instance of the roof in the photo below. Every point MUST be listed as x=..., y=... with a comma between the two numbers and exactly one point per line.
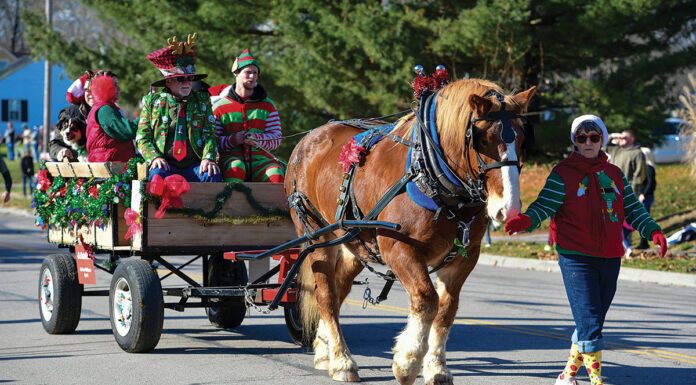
x=14, y=67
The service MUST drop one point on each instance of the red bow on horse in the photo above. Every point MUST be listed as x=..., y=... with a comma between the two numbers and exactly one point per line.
x=169, y=190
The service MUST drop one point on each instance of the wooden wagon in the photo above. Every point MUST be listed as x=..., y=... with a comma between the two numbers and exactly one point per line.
x=137, y=293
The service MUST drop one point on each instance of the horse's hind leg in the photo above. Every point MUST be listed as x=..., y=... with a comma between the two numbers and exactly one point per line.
x=329, y=341
x=449, y=283
x=412, y=344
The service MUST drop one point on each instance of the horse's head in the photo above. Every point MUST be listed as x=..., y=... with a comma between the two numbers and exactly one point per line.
x=481, y=134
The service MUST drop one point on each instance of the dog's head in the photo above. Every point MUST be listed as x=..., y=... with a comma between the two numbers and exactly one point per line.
x=73, y=130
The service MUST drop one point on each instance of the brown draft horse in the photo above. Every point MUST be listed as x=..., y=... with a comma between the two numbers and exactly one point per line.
x=327, y=274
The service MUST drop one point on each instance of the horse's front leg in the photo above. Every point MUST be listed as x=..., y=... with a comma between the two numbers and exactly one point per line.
x=329, y=340
x=449, y=283
x=412, y=344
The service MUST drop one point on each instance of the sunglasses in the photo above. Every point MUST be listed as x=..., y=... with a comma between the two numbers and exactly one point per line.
x=594, y=138
x=184, y=79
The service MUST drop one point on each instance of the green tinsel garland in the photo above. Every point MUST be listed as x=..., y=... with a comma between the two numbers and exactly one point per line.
x=87, y=201
x=81, y=201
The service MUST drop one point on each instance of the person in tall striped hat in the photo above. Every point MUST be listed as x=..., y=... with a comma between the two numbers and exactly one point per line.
x=247, y=124
x=176, y=131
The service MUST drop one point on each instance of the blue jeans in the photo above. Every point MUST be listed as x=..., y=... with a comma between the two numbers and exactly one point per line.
x=590, y=284
x=190, y=174
x=10, y=150
x=28, y=180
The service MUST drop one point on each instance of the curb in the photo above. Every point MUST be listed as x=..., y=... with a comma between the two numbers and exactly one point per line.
x=626, y=273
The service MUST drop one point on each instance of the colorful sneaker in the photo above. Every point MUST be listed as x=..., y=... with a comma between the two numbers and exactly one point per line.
x=566, y=381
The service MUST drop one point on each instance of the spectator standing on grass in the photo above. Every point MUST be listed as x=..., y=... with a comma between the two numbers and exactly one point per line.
x=647, y=193
x=10, y=140
x=8, y=180
x=587, y=199
x=26, y=138
x=27, y=166
x=625, y=153
x=35, y=141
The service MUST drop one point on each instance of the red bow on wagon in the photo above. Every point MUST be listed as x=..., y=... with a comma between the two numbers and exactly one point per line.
x=169, y=190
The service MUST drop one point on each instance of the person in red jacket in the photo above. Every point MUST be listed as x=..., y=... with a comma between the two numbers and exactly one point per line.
x=109, y=134
x=588, y=199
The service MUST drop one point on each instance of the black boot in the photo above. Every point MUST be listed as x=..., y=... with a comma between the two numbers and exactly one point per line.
x=643, y=244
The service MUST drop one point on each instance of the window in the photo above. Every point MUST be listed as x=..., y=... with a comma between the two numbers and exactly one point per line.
x=15, y=110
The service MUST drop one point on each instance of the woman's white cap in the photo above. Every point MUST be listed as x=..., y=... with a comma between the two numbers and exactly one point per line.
x=577, y=123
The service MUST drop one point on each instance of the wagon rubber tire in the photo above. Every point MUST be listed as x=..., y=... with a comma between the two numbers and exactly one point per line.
x=293, y=322
x=136, y=306
x=223, y=272
x=60, y=294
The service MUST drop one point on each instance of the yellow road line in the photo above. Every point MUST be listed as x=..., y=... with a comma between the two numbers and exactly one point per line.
x=558, y=336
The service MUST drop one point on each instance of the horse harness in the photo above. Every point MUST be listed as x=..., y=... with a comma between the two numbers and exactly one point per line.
x=428, y=170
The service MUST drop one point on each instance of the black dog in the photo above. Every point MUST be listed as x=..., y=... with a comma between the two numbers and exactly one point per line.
x=73, y=132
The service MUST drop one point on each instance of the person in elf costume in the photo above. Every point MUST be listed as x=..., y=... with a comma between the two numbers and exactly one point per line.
x=248, y=125
x=109, y=135
x=176, y=132
x=588, y=199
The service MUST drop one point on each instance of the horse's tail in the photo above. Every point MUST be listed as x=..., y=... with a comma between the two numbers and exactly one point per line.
x=309, y=311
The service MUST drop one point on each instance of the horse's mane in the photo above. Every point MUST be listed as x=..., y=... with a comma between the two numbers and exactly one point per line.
x=454, y=111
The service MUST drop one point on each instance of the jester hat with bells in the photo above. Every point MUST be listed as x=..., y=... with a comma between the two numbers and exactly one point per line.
x=176, y=60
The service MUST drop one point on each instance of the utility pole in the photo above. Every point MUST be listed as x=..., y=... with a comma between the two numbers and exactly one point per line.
x=47, y=87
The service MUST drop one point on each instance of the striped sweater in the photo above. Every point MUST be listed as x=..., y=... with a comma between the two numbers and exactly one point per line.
x=564, y=203
x=256, y=115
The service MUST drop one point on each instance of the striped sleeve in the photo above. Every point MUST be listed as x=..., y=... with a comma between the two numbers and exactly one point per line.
x=547, y=203
x=270, y=138
x=635, y=212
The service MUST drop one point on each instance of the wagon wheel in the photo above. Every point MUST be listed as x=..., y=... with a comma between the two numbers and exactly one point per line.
x=60, y=294
x=293, y=322
x=223, y=272
x=136, y=306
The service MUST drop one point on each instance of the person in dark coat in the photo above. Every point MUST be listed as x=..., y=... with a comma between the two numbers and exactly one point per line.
x=27, y=166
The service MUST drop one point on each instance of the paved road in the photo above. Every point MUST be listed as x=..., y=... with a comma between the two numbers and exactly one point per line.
x=512, y=328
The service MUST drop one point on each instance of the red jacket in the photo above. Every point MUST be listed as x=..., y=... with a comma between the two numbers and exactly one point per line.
x=100, y=146
x=571, y=225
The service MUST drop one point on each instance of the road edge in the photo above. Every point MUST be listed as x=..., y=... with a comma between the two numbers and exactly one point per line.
x=626, y=273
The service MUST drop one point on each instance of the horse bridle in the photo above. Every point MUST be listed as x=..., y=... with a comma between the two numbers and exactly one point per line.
x=508, y=135
x=466, y=192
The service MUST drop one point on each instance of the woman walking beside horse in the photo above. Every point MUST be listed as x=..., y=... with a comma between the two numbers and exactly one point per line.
x=588, y=200
x=471, y=131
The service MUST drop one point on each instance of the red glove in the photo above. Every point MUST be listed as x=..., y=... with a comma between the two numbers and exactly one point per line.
x=519, y=223
x=659, y=239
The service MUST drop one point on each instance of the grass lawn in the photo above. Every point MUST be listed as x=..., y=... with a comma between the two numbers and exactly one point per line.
x=674, y=208
x=17, y=200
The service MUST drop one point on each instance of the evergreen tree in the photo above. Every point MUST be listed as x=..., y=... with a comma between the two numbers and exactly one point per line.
x=344, y=59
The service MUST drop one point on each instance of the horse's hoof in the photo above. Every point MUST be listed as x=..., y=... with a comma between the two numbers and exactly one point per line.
x=440, y=380
x=346, y=377
x=322, y=365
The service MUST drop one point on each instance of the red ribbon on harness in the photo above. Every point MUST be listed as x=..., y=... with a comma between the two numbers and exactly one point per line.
x=352, y=153
x=133, y=221
x=169, y=190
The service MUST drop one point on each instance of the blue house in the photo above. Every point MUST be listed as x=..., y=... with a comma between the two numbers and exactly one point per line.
x=22, y=93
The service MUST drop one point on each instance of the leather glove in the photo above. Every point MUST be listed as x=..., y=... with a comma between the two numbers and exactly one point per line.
x=519, y=223
x=659, y=239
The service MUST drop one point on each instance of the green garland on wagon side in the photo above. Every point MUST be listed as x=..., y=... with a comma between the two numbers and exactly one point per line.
x=61, y=202
x=264, y=215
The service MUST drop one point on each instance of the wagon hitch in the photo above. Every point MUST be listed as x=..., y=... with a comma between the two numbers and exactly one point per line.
x=354, y=229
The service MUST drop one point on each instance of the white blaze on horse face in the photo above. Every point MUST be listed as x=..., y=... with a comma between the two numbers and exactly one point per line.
x=510, y=204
